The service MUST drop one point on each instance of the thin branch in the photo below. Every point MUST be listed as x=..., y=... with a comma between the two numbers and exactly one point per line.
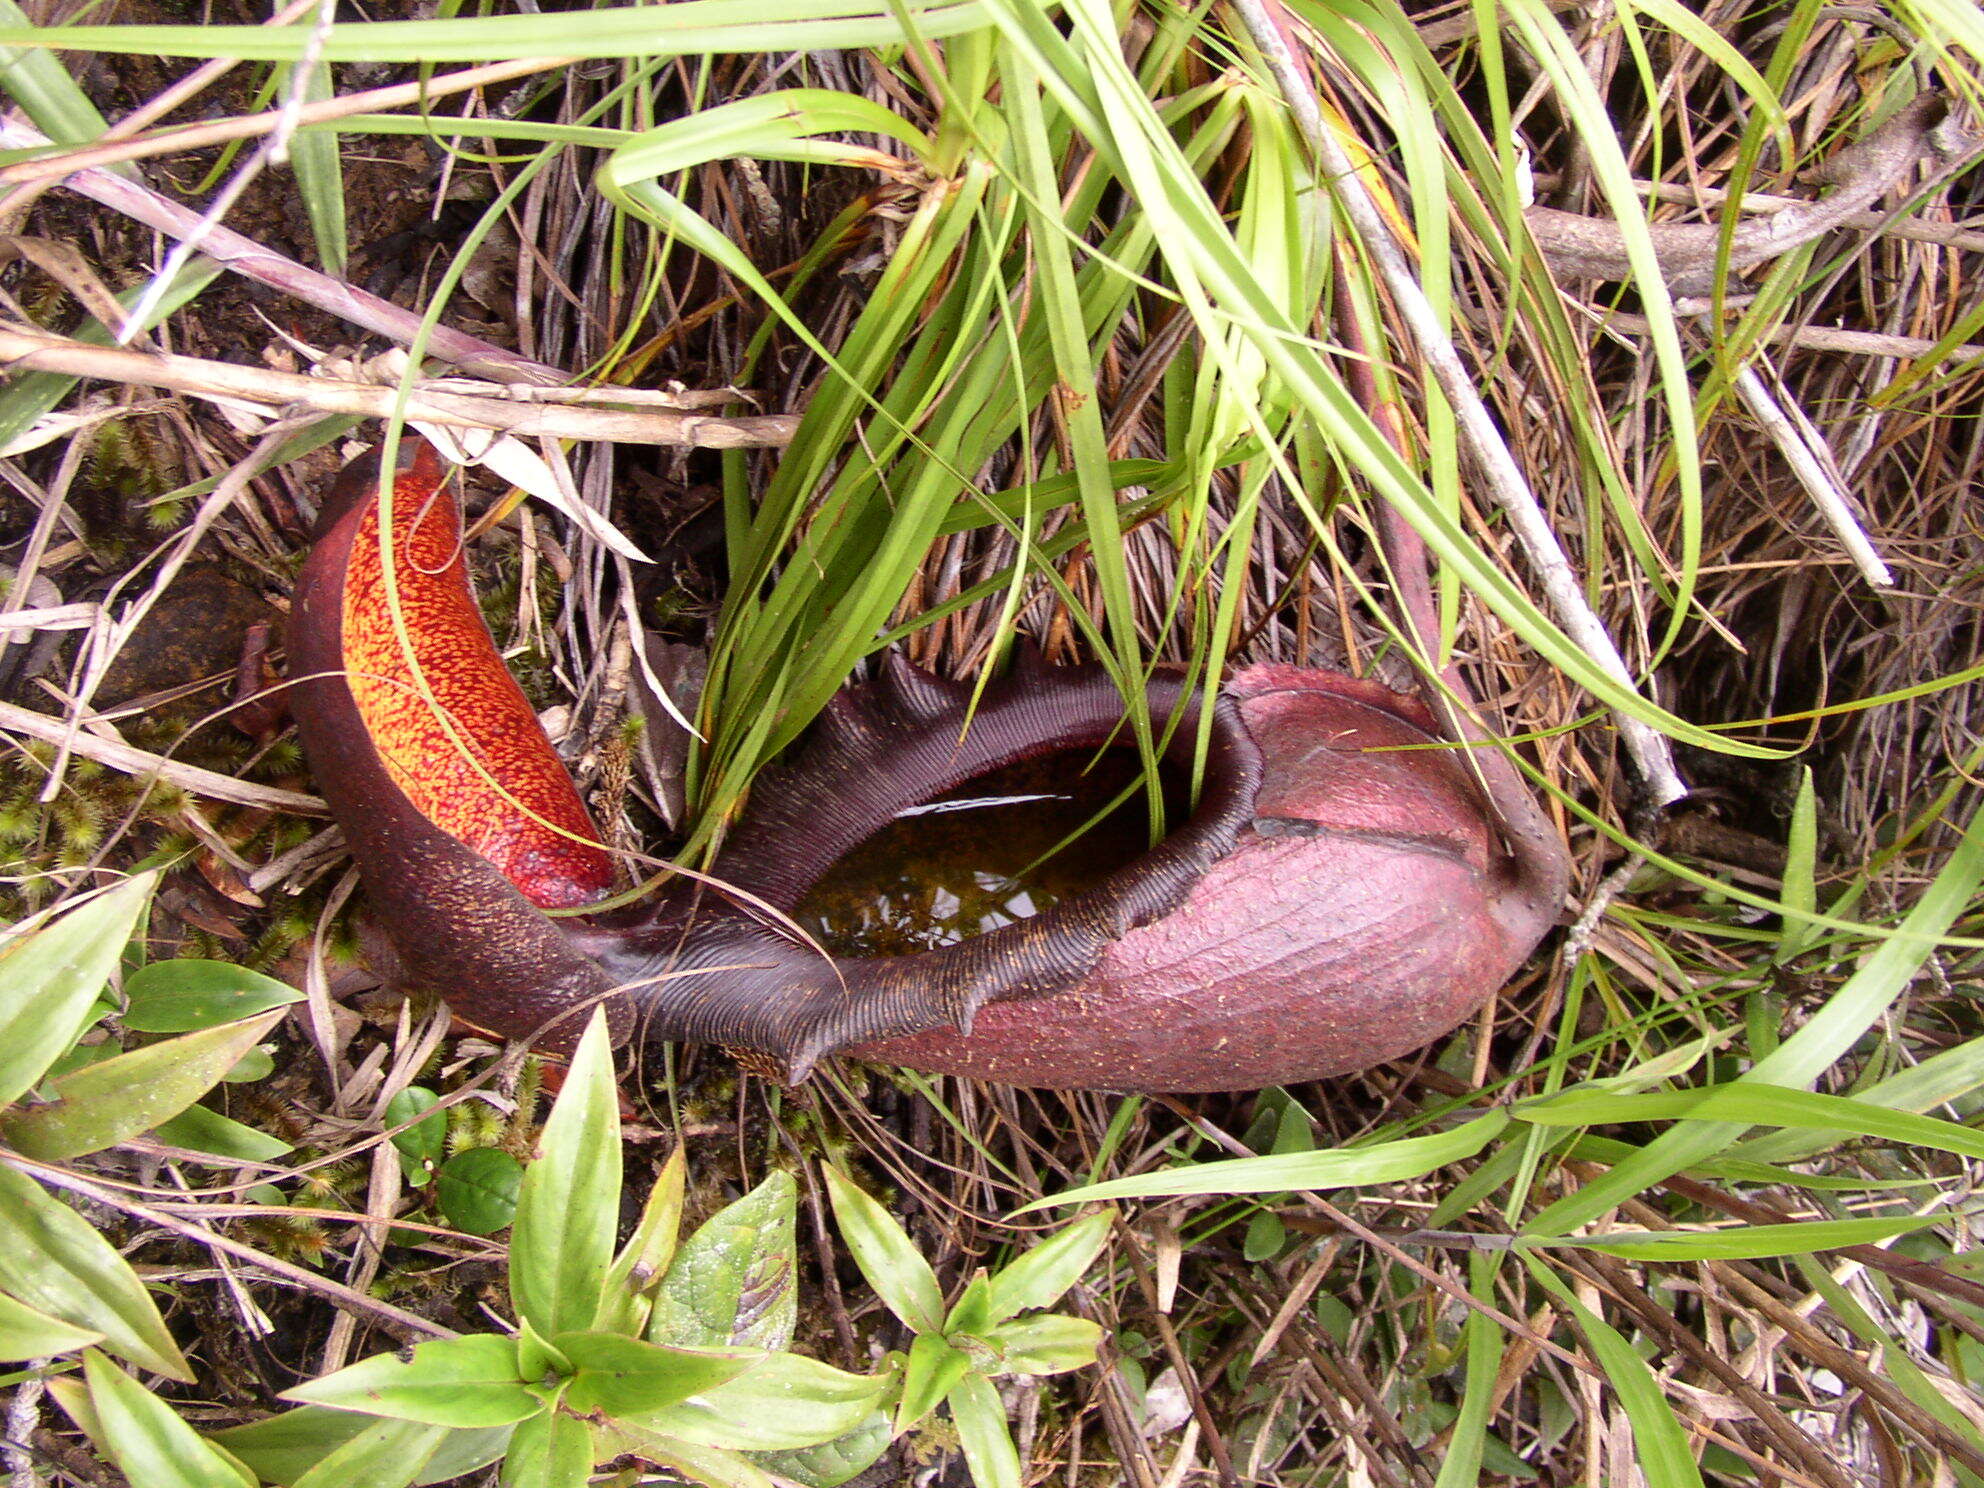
x=251, y=260
x=1811, y=462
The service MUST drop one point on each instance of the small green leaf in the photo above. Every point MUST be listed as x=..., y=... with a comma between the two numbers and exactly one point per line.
x=645, y=1259
x=784, y=1402
x=833, y=1463
x=886, y=1256
x=104, y=1103
x=145, y=1437
x=562, y=1240
x=200, y=1129
x=733, y=1281
x=257, y=1064
x=426, y=1141
x=386, y=1454
x=477, y=1189
x=183, y=996
x=972, y=1312
x=469, y=1381
x=625, y=1377
x=537, y=1360
x=1800, y=877
x=980, y=1417
x=50, y=978
x=933, y=1368
x=28, y=1334
x=1266, y=1234
x=550, y=1450
x=1346, y=1167
x=1046, y=1343
x=1042, y=1276
x=1743, y=1242
x=53, y=1260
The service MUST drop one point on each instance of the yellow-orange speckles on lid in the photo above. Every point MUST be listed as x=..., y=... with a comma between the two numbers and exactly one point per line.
x=467, y=750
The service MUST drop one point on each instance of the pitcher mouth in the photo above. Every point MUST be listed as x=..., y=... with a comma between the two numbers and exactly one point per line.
x=466, y=827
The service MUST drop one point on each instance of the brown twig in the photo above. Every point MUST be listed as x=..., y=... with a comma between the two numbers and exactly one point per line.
x=1578, y=246
x=264, y=265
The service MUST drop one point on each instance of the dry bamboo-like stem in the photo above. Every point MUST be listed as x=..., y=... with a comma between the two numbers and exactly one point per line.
x=1595, y=247
x=1806, y=454
x=271, y=391
x=1652, y=756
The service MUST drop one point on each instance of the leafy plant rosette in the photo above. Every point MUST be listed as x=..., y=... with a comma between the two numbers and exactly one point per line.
x=65, y=1095
x=676, y=1354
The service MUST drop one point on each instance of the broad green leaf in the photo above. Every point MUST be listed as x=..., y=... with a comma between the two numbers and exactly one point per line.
x=1265, y=1236
x=645, y=1259
x=186, y=995
x=980, y=1417
x=284, y=1447
x=1042, y=1276
x=50, y=978
x=1743, y=1242
x=1944, y=1076
x=104, y=1103
x=199, y=1129
x=933, y=1367
x=550, y=1450
x=478, y=1189
x=1046, y=1343
x=1804, y=1056
x=28, y=1334
x=426, y=1141
x=562, y=1240
x=833, y=1463
x=625, y=1377
x=145, y=1437
x=887, y=1257
x=386, y=1454
x=257, y=1064
x=53, y=1260
x=469, y=1381
x=1758, y=1105
x=785, y=1402
x=1386, y=1162
x=733, y=1281
x=1660, y=1440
